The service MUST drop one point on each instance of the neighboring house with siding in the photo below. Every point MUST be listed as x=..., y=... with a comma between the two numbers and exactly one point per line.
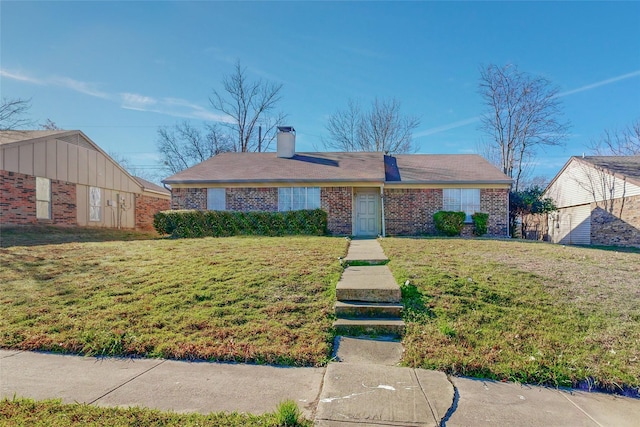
x=363, y=193
x=63, y=178
x=598, y=200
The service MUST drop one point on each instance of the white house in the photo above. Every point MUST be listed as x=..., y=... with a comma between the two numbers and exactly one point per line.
x=598, y=200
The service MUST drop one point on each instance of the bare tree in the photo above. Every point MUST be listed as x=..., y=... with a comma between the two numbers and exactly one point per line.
x=49, y=125
x=13, y=113
x=184, y=145
x=381, y=128
x=624, y=142
x=523, y=114
x=250, y=106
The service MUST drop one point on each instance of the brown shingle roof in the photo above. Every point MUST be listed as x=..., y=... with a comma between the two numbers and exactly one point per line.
x=448, y=169
x=267, y=167
x=341, y=167
x=624, y=166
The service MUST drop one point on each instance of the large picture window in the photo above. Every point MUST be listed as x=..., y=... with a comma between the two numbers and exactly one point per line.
x=298, y=198
x=465, y=200
x=95, y=204
x=43, y=198
x=216, y=199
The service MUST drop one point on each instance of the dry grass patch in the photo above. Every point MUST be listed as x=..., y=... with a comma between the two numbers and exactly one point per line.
x=265, y=300
x=523, y=311
x=49, y=413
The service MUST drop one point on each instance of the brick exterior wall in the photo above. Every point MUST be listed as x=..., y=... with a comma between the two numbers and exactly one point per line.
x=63, y=203
x=338, y=203
x=189, y=198
x=252, y=199
x=146, y=207
x=410, y=211
x=617, y=225
x=407, y=211
x=495, y=202
x=18, y=201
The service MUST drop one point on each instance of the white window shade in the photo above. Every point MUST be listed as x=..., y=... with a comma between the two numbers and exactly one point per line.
x=298, y=198
x=465, y=200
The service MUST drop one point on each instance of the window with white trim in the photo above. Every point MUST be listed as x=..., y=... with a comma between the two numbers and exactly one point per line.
x=216, y=199
x=95, y=204
x=298, y=198
x=465, y=200
x=43, y=198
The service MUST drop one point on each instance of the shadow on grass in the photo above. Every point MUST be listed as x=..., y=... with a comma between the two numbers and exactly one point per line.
x=53, y=235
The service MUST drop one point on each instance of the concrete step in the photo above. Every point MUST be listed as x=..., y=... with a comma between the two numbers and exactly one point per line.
x=368, y=284
x=358, y=309
x=366, y=251
x=369, y=326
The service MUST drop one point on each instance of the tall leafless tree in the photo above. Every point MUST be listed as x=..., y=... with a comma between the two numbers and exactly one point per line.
x=13, y=113
x=249, y=106
x=523, y=113
x=184, y=145
x=624, y=142
x=380, y=128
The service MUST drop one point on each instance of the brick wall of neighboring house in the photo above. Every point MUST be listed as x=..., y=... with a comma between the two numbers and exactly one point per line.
x=189, y=198
x=63, y=203
x=495, y=202
x=338, y=203
x=616, y=223
x=18, y=201
x=146, y=207
x=410, y=211
x=252, y=199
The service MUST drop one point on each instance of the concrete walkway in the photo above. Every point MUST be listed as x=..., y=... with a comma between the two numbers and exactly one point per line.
x=363, y=387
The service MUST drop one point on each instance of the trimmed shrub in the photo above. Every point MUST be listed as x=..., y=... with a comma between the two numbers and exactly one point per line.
x=480, y=221
x=194, y=223
x=449, y=223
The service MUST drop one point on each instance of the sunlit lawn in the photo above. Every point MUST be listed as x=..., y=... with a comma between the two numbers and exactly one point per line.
x=524, y=311
x=250, y=299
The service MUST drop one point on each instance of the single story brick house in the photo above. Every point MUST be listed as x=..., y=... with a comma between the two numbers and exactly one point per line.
x=363, y=193
x=63, y=178
x=598, y=201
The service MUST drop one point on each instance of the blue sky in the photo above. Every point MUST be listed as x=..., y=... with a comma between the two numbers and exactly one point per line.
x=119, y=70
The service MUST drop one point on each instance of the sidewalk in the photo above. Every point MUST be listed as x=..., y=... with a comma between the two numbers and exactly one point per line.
x=363, y=387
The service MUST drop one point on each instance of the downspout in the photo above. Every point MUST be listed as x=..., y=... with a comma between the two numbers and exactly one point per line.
x=382, y=209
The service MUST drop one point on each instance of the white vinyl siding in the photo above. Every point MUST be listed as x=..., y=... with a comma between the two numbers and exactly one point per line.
x=465, y=200
x=571, y=226
x=216, y=199
x=43, y=198
x=95, y=204
x=298, y=198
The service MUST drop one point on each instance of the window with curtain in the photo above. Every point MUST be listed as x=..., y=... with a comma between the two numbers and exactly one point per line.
x=298, y=198
x=43, y=198
x=465, y=200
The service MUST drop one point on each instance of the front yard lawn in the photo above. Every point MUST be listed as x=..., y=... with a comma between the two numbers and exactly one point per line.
x=265, y=300
x=523, y=311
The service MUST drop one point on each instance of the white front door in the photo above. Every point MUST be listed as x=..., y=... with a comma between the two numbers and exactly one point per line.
x=367, y=214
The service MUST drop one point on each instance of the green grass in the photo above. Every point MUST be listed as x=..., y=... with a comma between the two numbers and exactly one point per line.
x=263, y=300
x=26, y=412
x=522, y=311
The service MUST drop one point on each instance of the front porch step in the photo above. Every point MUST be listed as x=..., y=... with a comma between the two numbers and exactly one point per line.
x=368, y=284
x=369, y=326
x=360, y=309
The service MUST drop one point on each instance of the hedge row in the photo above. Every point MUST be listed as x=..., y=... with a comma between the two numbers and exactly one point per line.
x=194, y=223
